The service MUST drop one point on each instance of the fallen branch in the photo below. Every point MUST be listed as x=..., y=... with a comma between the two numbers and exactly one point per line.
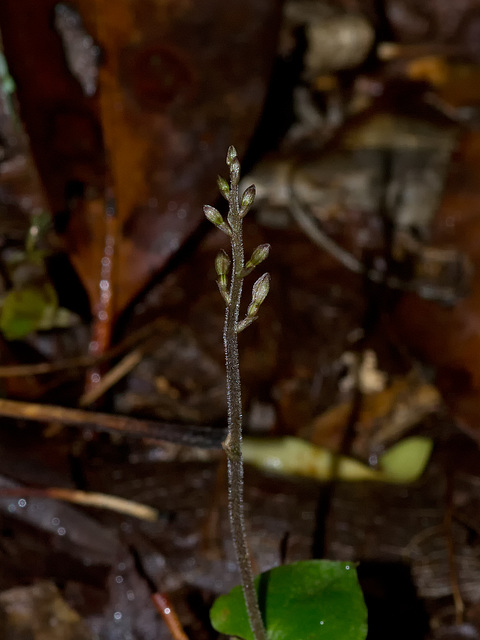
x=190, y=435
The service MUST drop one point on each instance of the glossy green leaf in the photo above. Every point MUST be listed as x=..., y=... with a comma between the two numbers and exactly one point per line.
x=300, y=601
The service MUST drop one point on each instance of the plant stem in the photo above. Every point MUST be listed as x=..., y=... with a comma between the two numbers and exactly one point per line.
x=233, y=443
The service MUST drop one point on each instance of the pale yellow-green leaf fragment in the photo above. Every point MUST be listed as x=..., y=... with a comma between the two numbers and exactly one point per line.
x=406, y=460
x=403, y=463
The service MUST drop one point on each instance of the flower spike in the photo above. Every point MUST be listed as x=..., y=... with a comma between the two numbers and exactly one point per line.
x=237, y=208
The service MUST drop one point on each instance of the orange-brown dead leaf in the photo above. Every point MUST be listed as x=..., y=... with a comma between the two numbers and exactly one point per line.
x=175, y=88
x=457, y=84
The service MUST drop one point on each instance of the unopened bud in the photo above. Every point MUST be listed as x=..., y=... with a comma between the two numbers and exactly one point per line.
x=231, y=154
x=222, y=263
x=235, y=171
x=259, y=292
x=248, y=199
x=259, y=255
x=222, y=266
x=261, y=288
x=215, y=217
x=223, y=187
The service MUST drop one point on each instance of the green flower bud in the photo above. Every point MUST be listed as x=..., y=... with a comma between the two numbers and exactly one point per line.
x=223, y=187
x=248, y=199
x=235, y=171
x=261, y=288
x=222, y=263
x=259, y=292
x=259, y=255
x=215, y=217
x=222, y=267
x=231, y=154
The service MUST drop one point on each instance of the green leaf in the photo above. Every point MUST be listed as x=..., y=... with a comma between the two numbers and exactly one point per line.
x=406, y=460
x=300, y=601
x=24, y=310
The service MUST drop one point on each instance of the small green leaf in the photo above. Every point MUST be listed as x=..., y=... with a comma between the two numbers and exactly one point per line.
x=301, y=601
x=24, y=310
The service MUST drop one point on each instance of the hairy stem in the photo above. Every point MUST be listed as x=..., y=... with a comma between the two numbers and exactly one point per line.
x=233, y=443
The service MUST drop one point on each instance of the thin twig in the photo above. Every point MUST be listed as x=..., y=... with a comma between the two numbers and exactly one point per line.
x=160, y=325
x=191, y=435
x=165, y=608
x=111, y=377
x=85, y=498
x=322, y=240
